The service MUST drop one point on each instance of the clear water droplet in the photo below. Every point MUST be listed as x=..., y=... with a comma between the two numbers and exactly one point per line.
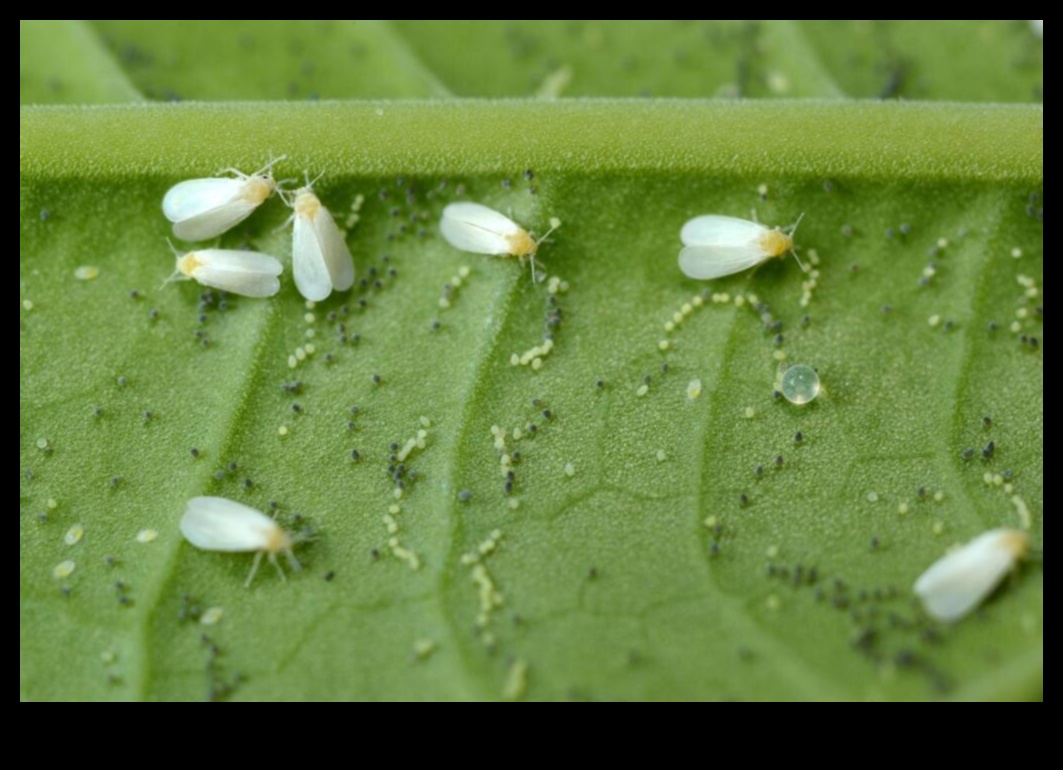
x=800, y=385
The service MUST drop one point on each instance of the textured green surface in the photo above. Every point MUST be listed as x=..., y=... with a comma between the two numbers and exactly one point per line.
x=614, y=587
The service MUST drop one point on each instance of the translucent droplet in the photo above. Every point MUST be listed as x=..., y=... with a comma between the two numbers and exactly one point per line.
x=800, y=385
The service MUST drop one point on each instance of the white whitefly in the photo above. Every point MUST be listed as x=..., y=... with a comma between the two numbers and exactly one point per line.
x=960, y=581
x=477, y=229
x=217, y=524
x=321, y=260
x=246, y=273
x=201, y=209
x=718, y=246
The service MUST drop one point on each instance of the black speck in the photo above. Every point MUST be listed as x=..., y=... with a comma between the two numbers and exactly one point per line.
x=330, y=576
x=465, y=496
x=799, y=438
x=968, y=454
x=990, y=450
x=195, y=453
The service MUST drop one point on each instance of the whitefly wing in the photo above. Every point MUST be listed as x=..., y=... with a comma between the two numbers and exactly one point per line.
x=334, y=250
x=478, y=229
x=246, y=273
x=309, y=267
x=201, y=209
x=729, y=232
x=215, y=524
x=962, y=580
x=705, y=263
x=718, y=246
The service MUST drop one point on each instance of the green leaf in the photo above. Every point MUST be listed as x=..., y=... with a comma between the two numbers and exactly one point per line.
x=969, y=59
x=647, y=559
x=577, y=631
x=62, y=61
x=975, y=60
x=267, y=59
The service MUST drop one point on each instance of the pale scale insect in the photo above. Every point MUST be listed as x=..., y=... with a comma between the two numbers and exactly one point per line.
x=202, y=209
x=217, y=524
x=718, y=246
x=959, y=582
x=321, y=259
x=477, y=229
x=246, y=273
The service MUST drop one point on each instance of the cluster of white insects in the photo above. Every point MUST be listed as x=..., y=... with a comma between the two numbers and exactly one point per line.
x=713, y=247
x=203, y=209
